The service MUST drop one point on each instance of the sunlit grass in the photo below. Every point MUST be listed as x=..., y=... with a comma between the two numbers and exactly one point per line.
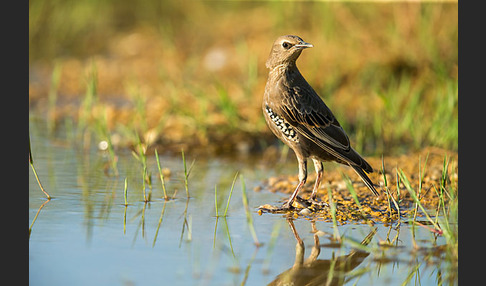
x=31, y=162
x=332, y=205
x=216, y=201
x=350, y=187
x=142, y=158
x=409, y=72
x=36, y=215
x=230, y=194
x=137, y=72
x=444, y=221
x=105, y=137
x=389, y=195
x=187, y=172
x=90, y=100
x=161, y=175
x=125, y=191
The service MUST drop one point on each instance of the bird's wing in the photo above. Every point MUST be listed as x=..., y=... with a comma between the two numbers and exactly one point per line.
x=297, y=103
x=305, y=111
x=310, y=116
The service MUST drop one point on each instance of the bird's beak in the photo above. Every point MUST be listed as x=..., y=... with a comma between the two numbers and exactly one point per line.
x=303, y=45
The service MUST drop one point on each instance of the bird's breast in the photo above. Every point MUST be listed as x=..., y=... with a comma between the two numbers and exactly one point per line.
x=282, y=125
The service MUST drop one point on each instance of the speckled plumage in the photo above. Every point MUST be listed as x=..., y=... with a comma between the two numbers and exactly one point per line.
x=298, y=116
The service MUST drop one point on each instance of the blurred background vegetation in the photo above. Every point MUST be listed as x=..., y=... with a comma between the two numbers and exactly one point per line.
x=191, y=74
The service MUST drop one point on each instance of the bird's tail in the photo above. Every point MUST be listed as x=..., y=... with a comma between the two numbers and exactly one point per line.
x=365, y=179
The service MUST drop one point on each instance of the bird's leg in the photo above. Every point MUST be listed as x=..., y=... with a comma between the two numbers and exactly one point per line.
x=319, y=171
x=316, y=249
x=299, y=247
x=302, y=180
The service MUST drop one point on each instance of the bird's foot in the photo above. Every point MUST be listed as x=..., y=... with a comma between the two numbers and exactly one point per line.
x=313, y=206
x=285, y=208
x=302, y=206
x=300, y=203
x=315, y=202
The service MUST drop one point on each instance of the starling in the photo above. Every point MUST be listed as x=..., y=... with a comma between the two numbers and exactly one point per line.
x=298, y=116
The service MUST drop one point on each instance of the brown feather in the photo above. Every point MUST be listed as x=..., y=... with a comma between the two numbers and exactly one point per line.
x=293, y=101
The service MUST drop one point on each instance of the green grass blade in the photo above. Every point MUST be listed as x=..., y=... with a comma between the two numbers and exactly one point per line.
x=31, y=161
x=351, y=189
x=389, y=195
x=186, y=172
x=159, y=224
x=161, y=175
x=336, y=234
x=125, y=192
x=230, y=194
x=216, y=199
x=412, y=193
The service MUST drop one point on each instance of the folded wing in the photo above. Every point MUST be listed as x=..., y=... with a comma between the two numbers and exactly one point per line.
x=310, y=116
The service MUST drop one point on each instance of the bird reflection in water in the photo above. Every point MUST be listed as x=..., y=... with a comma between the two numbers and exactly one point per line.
x=313, y=271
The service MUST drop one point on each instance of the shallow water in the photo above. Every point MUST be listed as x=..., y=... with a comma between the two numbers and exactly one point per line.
x=86, y=236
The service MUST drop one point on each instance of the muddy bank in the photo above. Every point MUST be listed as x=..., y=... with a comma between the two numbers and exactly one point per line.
x=424, y=170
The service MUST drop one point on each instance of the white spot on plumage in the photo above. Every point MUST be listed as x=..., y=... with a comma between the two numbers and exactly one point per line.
x=282, y=125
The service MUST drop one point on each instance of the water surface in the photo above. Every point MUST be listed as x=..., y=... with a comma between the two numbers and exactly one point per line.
x=86, y=235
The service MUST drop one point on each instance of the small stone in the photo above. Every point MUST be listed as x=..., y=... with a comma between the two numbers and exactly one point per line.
x=305, y=211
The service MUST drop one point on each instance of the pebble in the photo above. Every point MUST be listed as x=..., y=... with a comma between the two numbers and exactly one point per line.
x=305, y=211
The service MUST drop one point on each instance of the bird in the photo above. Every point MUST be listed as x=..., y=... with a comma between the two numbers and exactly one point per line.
x=314, y=271
x=296, y=114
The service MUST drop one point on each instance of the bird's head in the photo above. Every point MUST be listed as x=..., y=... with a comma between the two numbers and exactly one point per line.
x=286, y=50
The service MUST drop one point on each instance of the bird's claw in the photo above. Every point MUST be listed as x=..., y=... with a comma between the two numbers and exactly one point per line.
x=304, y=206
x=287, y=206
x=313, y=201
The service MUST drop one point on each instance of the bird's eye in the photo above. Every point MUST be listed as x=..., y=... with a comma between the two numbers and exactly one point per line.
x=286, y=45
